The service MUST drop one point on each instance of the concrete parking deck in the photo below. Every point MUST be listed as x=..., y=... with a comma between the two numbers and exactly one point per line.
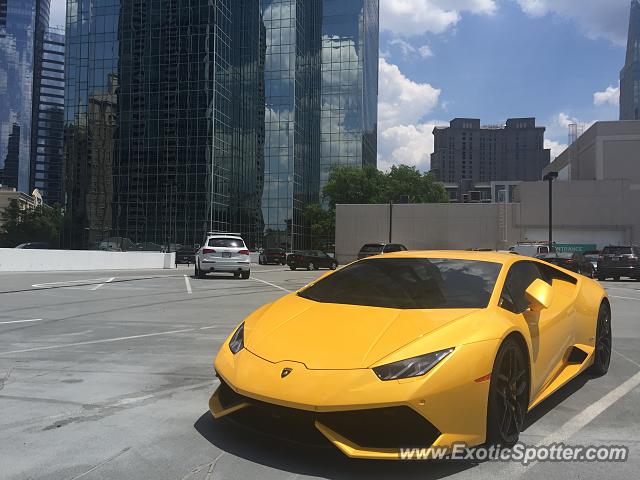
x=108, y=374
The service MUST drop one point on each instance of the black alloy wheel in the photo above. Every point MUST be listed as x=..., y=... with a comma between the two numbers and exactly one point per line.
x=311, y=266
x=333, y=266
x=602, y=357
x=508, y=395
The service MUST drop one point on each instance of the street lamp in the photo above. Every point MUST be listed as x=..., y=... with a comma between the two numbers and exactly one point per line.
x=550, y=177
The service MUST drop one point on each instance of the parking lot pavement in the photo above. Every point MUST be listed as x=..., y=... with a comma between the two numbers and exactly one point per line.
x=107, y=375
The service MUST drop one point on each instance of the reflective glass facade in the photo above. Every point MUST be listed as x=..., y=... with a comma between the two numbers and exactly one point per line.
x=48, y=121
x=22, y=27
x=154, y=103
x=292, y=121
x=350, y=31
x=630, y=74
x=183, y=116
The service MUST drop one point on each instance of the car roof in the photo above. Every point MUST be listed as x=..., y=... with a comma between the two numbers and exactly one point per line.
x=496, y=257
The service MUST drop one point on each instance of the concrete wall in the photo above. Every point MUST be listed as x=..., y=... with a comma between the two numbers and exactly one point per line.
x=425, y=226
x=606, y=151
x=18, y=260
x=599, y=212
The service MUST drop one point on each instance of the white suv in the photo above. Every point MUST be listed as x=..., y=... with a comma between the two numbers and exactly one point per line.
x=223, y=252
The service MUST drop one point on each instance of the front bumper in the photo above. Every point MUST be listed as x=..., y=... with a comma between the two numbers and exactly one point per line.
x=358, y=413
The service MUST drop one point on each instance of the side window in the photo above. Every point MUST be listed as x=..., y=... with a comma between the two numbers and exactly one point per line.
x=520, y=276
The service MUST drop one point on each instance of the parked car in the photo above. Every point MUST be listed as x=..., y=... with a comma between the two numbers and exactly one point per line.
x=619, y=261
x=592, y=257
x=574, y=261
x=34, y=246
x=311, y=260
x=370, y=249
x=532, y=249
x=273, y=255
x=223, y=252
x=186, y=255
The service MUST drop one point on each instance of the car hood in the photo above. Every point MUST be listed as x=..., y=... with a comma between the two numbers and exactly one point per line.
x=337, y=337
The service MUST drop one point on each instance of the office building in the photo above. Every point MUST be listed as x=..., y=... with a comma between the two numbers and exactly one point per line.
x=48, y=121
x=183, y=116
x=466, y=153
x=154, y=147
x=630, y=74
x=22, y=27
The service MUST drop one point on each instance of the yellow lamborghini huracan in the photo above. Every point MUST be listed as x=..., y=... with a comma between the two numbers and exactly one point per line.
x=415, y=349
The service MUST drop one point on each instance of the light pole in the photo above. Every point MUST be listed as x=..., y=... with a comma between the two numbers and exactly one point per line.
x=550, y=177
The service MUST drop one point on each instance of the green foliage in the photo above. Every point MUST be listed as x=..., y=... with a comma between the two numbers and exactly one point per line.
x=322, y=223
x=368, y=185
x=40, y=224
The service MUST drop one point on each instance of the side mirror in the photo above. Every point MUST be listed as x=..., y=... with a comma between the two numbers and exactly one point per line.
x=539, y=295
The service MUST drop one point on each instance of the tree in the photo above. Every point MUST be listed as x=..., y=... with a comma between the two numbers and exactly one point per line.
x=369, y=185
x=40, y=224
x=322, y=223
x=354, y=185
x=418, y=187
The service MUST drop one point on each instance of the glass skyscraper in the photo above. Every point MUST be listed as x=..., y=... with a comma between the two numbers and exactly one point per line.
x=184, y=116
x=350, y=31
x=155, y=155
x=48, y=121
x=22, y=27
x=630, y=74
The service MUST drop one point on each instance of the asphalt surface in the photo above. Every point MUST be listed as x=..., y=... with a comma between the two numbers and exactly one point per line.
x=106, y=375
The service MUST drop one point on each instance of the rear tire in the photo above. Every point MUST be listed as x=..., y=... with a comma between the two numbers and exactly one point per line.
x=292, y=267
x=508, y=394
x=333, y=266
x=245, y=275
x=602, y=357
x=198, y=272
x=616, y=279
x=311, y=266
x=601, y=278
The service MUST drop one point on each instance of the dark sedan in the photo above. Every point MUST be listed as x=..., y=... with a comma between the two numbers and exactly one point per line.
x=186, y=255
x=273, y=255
x=370, y=249
x=574, y=261
x=311, y=260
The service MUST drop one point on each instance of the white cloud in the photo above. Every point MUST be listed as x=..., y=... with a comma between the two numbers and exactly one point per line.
x=407, y=144
x=611, y=96
x=405, y=47
x=404, y=137
x=416, y=17
x=57, y=13
x=596, y=18
x=402, y=101
x=425, y=51
x=556, y=147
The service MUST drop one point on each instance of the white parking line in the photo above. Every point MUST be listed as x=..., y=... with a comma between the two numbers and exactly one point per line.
x=22, y=321
x=271, y=284
x=582, y=419
x=93, y=342
x=102, y=284
x=624, y=298
x=188, y=284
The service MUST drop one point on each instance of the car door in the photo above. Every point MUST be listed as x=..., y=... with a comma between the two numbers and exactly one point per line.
x=551, y=330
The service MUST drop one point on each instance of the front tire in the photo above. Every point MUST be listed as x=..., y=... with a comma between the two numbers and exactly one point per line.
x=292, y=267
x=508, y=394
x=333, y=266
x=602, y=357
x=311, y=266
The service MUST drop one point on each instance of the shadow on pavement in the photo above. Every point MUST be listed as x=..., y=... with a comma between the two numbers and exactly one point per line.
x=321, y=461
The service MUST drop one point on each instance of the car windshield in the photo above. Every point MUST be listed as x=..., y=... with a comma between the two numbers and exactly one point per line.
x=371, y=248
x=409, y=283
x=226, y=243
x=617, y=251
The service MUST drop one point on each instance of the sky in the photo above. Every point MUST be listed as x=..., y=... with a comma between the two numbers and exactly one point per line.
x=556, y=60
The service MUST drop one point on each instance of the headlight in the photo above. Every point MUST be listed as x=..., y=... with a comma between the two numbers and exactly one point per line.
x=237, y=341
x=411, y=367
